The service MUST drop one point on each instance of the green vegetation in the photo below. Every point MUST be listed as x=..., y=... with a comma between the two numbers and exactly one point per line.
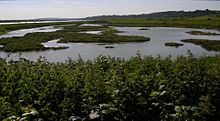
x=71, y=33
x=1, y=32
x=185, y=88
x=166, y=14
x=108, y=36
x=202, y=33
x=211, y=45
x=191, y=22
x=173, y=44
x=28, y=42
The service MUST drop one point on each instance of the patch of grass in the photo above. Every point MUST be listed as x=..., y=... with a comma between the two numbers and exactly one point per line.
x=108, y=36
x=1, y=32
x=105, y=38
x=173, y=44
x=191, y=22
x=201, y=33
x=210, y=45
x=29, y=42
x=75, y=28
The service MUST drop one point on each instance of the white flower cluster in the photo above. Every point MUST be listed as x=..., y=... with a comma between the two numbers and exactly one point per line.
x=93, y=114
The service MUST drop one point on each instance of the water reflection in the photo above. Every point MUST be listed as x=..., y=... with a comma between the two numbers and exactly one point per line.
x=53, y=43
x=91, y=32
x=91, y=25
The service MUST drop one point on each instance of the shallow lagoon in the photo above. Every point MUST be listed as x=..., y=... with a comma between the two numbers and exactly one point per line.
x=159, y=36
x=22, y=32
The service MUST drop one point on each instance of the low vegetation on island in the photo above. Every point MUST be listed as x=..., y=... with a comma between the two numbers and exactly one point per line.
x=210, y=45
x=144, y=29
x=189, y=22
x=109, y=35
x=202, y=33
x=109, y=47
x=173, y=44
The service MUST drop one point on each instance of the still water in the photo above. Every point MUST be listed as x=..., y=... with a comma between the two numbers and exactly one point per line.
x=159, y=36
x=22, y=32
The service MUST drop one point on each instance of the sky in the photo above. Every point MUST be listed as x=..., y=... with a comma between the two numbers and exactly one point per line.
x=28, y=9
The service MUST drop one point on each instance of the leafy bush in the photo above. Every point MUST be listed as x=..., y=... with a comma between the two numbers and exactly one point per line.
x=148, y=88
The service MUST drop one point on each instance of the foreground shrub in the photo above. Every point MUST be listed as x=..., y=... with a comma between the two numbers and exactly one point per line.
x=148, y=88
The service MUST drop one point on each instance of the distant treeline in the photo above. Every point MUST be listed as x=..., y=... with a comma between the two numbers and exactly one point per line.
x=166, y=14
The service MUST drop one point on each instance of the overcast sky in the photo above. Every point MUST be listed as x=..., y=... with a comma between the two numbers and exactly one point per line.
x=25, y=9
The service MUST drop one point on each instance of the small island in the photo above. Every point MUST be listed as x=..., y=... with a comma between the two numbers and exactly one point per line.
x=57, y=48
x=143, y=29
x=210, y=45
x=173, y=44
x=202, y=33
x=109, y=47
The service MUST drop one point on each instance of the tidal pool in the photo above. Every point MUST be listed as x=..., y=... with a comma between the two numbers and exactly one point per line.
x=91, y=25
x=159, y=36
x=22, y=32
x=91, y=32
x=54, y=43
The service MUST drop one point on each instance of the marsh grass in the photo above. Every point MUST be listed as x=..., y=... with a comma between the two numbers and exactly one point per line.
x=202, y=33
x=210, y=45
x=189, y=22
